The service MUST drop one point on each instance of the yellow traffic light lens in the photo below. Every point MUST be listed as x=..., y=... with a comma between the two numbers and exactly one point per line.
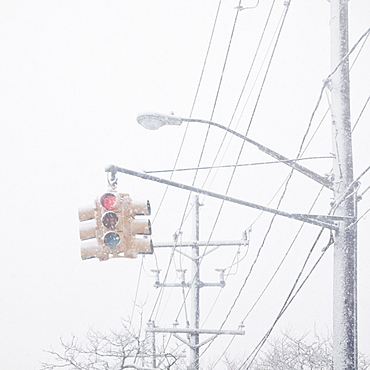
x=108, y=201
x=111, y=240
x=110, y=220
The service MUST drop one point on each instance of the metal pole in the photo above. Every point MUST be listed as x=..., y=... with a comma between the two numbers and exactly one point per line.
x=327, y=221
x=345, y=247
x=195, y=289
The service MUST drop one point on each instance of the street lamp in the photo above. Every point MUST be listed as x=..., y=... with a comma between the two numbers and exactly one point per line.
x=345, y=240
x=153, y=121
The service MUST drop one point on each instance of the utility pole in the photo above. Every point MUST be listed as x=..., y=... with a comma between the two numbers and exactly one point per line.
x=195, y=288
x=193, y=330
x=345, y=246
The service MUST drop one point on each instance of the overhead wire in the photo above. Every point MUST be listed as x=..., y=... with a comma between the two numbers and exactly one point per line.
x=217, y=94
x=242, y=145
x=234, y=167
x=245, y=84
x=254, y=110
x=354, y=127
x=300, y=148
x=220, y=79
x=215, y=102
x=184, y=136
x=218, y=87
x=283, y=310
x=195, y=176
x=317, y=104
x=291, y=296
x=284, y=257
x=304, y=138
x=240, y=165
x=326, y=82
x=205, y=140
x=136, y=294
x=289, y=300
x=359, y=218
x=365, y=35
x=195, y=98
x=362, y=111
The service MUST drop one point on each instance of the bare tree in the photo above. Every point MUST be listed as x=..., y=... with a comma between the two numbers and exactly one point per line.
x=113, y=351
x=291, y=352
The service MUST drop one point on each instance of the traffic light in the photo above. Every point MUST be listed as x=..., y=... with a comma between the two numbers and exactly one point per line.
x=109, y=228
x=135, y=230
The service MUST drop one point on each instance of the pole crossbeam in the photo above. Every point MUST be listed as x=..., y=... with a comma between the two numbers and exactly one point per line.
x=223, y=243
x=194, y=331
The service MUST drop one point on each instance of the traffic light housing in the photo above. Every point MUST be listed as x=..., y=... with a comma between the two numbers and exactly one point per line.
x=109, y=228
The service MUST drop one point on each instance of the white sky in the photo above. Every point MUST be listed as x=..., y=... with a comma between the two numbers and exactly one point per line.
x=74, y=76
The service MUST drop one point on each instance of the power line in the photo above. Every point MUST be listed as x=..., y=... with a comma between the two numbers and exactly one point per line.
x=238, y=295
x=219, y=213
x=289, y=299
x=327, y=80
x=183, y=139
x=362, y=111
x=225, y=62
x=194, y=101
x=136, y=292
x=218, y=91
x=284, y=257
x=238, y=165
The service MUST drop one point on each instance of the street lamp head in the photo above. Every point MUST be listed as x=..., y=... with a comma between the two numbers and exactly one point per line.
x=153, y=121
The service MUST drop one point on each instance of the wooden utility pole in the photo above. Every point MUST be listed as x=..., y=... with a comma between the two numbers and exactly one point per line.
x=195, y=288
x=193, y=330
x=345, y=247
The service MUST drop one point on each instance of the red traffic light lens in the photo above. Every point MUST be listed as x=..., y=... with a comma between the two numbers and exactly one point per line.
x=111, y=240
x=108, y=201
x=110, y=220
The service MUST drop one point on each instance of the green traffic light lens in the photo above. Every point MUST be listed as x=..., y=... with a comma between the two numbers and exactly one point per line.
x=110, y=220
x=111, y=240
x=108, y=201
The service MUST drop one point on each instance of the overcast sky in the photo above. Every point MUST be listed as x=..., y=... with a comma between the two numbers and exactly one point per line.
x=74, y=76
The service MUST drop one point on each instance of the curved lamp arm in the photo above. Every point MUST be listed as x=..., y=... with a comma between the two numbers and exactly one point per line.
x=153, y=121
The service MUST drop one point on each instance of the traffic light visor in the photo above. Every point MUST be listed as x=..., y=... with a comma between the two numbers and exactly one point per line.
x=143, y=246
x=88, y=229
x=141, y=227
x=91, y=249
x=141, y=208
x=87, y=212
